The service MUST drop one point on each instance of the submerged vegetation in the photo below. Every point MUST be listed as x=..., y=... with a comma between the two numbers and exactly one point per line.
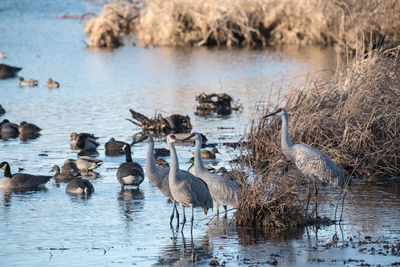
x=346, y=23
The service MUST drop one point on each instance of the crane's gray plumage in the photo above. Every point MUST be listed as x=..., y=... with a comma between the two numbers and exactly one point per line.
x=158, y=176
x=129, y=172
x=309, y=160
x=80, y=186
x=187, y=189
x=223, y=190
x=20, y=180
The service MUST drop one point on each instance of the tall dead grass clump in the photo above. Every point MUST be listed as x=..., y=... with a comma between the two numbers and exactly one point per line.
x=115, y=21
x=236, y=23
x=354, y=120
x=269, y=22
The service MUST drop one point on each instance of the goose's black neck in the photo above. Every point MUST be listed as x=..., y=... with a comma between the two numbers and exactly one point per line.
x=128, y=157
x=7, y=171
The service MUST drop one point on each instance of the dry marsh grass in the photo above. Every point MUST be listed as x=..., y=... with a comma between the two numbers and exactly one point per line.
x=115, y=21
x=355, y=120
x=347, y=23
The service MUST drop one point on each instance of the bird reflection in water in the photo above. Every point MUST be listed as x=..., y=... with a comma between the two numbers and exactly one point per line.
x=8, y=193
x=131, y=201
x=195, y=251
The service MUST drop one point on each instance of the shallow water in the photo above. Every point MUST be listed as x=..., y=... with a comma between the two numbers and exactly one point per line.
x=51, y=228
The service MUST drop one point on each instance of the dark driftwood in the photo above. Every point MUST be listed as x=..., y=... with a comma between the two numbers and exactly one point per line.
x=216, y=103
x=159, y=125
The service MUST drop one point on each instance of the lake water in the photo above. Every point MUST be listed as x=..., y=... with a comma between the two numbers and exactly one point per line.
x=112, y=228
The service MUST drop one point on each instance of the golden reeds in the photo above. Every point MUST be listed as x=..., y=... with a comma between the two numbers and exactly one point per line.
x=355, y=120
x=346, y=23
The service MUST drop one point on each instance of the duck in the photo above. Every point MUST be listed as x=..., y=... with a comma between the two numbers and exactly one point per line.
x=26, y=128
x=129, y=172
x=161, y=152
x=86, y=163
x=27, y=82
x=209, y=154
x=114, y=147
x=162, y=163
x=191, y=167
x=2, y=110
x=20, y=180
x=52, y=84
x=2, y=55
x=70, y=168
x=7, y=71
x=80, y=186
x=84, y=141
x=8, y=128
x=61, y=176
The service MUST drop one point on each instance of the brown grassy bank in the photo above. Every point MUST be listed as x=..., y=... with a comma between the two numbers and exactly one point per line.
x=346, y=23
x=355, y=120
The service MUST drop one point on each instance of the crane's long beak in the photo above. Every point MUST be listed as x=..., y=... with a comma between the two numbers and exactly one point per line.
x=186, y=138
x=269, y=115
x=139, y=140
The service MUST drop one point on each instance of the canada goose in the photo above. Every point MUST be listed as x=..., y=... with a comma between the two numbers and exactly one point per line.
x=7, y=71
x=28, y=82
x=52, y=84
x=80, y=186
x=129, y=172
x=20, y=180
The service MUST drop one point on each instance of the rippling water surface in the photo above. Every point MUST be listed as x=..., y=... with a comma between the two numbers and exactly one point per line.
x=113, y=227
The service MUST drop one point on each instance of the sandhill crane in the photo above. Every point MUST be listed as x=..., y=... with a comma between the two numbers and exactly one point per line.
x=20, y=180
x=187, y=189
x=311, y=161
x=158, y=176
x=129, y=172
x=223, y=190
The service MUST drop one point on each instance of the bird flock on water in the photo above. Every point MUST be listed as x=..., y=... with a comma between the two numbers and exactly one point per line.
x=196, y=188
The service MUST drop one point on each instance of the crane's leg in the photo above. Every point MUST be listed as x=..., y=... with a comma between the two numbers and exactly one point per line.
x=174, y=208
x=177, y=213
x=226, y=211
x=184, y=217
x=217, y=209
x=308, y=198
x=191, y=226
x=316, y=199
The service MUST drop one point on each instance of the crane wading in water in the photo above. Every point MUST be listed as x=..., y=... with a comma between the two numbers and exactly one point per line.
x=158, y=176
x=187, y=189
x=223, y=190
x=311, y=161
